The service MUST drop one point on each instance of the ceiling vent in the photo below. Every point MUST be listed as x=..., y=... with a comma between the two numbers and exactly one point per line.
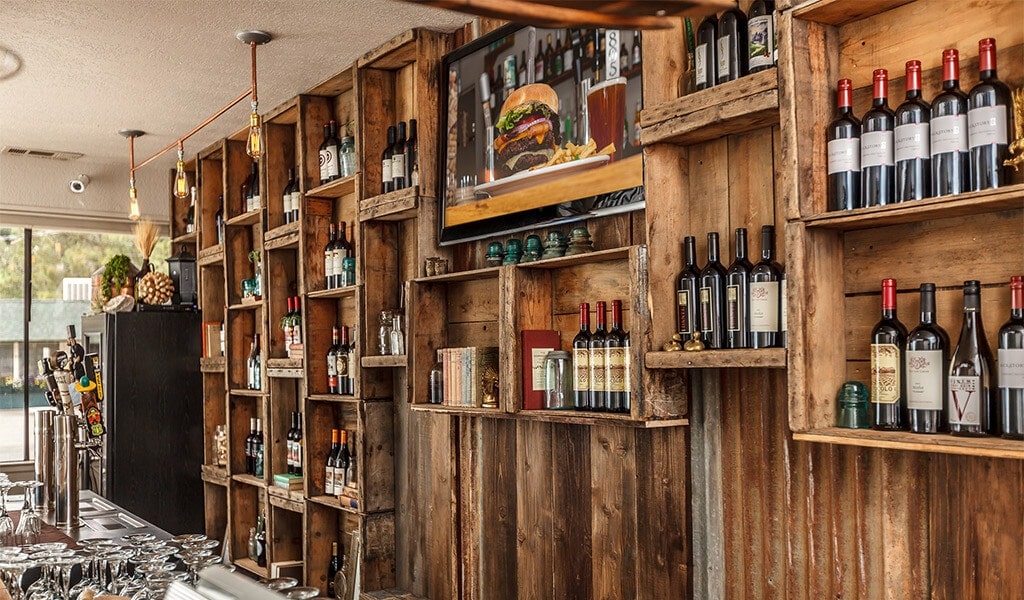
x=50, y=154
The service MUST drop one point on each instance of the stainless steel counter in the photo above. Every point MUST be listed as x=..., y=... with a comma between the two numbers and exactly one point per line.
x=100, y=518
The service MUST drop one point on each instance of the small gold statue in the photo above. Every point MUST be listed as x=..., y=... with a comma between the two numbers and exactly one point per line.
x=1017, y=144
x=490, y=388
x=673, y=345
x=694, y=344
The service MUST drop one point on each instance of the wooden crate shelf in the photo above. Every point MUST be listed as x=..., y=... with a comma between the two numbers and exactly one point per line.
x=285, y=368
x=286, y=499
x=573, y=417
x=384, y=362
x=578, y=259
x=249, y=480
x=285, y=236
x=394, y=206
x=902, y=440
x=215, y=475
x=840, y=12
x=338, y=188
x=333, y=398
x=185, y=238
x=212, y=364
x=772, y=358
x=471, y=411
x=335, y=503
x=748, y=103
x=247, y=305
x=248, y=393
x=341, y=292
x=250, y=566
x=214, y=255
x=471, y=275
x=247, y=218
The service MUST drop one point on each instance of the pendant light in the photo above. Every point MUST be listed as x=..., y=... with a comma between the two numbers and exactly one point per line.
x=254, y=144
x=180, y=178
x=133, y=194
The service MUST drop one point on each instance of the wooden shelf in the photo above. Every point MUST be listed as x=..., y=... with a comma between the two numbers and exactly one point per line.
x=384, y=362
x=903, y=440
x=578, y=259
x=247, y=218
x=332, y=398
x=211, y=256
x=335, y=189
x=972, y=203
x=394, y=206
x=186, y=238
x=285, y=368
x=333, y=502
x=285, y=236
x=214, y=475
x=773, y=358
x=619, y=175
x=341, y=292
x=470, y=411
x=247, y=305
x=212, y=364
x=249, y=480
x=747, y=103
x=472, y=275
x=574, y=417
x=840, y=12
x=249, y=393
x=286, y=499
x=247, y=564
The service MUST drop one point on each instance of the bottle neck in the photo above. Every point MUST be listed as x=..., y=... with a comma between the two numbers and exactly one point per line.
x=928, y=307
x=713, y=249
x=600, y=317
x=690, y=252
x=344, y=336
x=741, y=244
x=767, y=247
x=881, y=92
x=585, y=318
x=950, y=73
x=616, y=315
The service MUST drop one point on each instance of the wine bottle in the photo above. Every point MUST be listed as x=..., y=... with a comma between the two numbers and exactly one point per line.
x=296, y=324
x=261, y=541
x=549, y=60
x=559, y=59
x=329, y=151
x=732, y=50
x=567, y=51
x=761, y=35
x=623, y=58
x=687, y=289
x=257, y=450
x=636, y=51
x=341, y=465
x=254, y=187
x=296, y=195
x=333, y=386
x=627, y=396
x=190, y=216
x=877, y=161
x=352, y=473
x=538, y=64
x=250, y=455
x=218, y=219
x=712, y=297
x=843, y=137
x=398, y=172
x=615, y=360
x=329, y=274
x=1010, y=355
x=737, y=295
x=989, y=122
x=598, y=382
x=332, y=455
x=581, y=361
x=297, y=441
x=386, y=175
x=286, y=197
x=926, y=363
x=767, y=295
x=342, y=250
x=706, y=52
x=345, y=367
x=289, y=443
x=951, y=164
x=521, y=70
x=332, y=570
x=912, y=141
x=969, y=405
x=888, y=382
x=412, y=155
x=253, y=364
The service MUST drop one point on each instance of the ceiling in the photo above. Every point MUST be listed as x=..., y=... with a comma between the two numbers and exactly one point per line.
x=92, y=67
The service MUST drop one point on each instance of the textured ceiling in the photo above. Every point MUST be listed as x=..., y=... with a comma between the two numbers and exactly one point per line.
x=91, y=67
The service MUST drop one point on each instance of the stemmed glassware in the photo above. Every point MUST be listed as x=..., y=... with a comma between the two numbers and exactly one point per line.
x=6, y=522
x=30, y=524
x=13, y=565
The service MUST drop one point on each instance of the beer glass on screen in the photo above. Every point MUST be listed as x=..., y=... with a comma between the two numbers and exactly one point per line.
x=606, y=108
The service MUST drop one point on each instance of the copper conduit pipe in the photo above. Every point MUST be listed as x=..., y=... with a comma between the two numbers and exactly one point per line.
x=252, y=45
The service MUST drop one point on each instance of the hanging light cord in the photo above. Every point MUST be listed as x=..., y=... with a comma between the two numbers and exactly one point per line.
x=255, y=100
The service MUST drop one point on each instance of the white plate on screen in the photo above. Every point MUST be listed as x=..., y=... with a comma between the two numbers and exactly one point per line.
x=526, y=179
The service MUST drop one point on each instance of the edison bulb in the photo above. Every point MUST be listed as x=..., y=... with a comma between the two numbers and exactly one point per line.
x=254, y=147
x=133, y=206
x=181, y=181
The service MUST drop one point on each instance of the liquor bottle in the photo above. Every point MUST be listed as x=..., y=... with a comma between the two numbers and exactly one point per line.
x=549, y=60
x=990, y=123
x=615, y=360
x=767, y=296
x=342, y=249
x=1010, y=355
x=257, y=450
x=888, y=381
x=623, y=59
x=297, y=444
x=706, y=52
x=435, y=381
x=712, y=297
x=637, y=57
x=333, y=156
x=341, y=465
x=254, y=187
x=568, y=54
x=329, y=274
x=218, y=219
x=926, y=363
x=951, y=164
x=329, y=481
x=412, y=156
x=538, y=64
x=286, y=197
x=386, y=176
x=250, y=455
x=737, y=295
x=913, y=141
x=581, y=361
x=244, y=197
x=296, y=193
x=296, y=322
x=255, y=364
x=558, y=62
x=333, y=385
x=190, y=216
x=761, y=35
x=288, y=437
x=598, y=382
x=346, y=383
x=687, y=290
x=261, y=541
x=877, y=161
x=732, y=50
x=353, y=468
x=521, y=71
x=843, y=137
x=969, y=406
x=332, y=570
x=398, y=173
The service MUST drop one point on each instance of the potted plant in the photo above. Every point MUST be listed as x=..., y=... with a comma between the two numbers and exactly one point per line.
x=118, y=277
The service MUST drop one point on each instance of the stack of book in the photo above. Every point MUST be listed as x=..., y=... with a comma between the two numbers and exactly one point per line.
x=292, y=483
x=470, y=376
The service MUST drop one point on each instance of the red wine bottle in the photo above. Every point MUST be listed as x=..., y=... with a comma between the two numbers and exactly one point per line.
x=761, y=35
x=1011, y=364
x=737, y=296
x=843, y=138
x=329, y=273
x=877, y=161
x=712, y=297
x=888, y=382
x=732, y=46
x=706, y=54
x=398, y=180
x=767, y=296
x=581, y=361
x=386, y=182
x=926, y=363
x=598, y=382
x=969, y=405
x=332, y=363
x=951, y=165
x=687, y=288
x=913, y=141
x=615, y=361
x=989, y=122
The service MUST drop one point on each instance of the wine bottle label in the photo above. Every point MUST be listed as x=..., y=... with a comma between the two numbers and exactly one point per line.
x=286, y=204
x=615, y=369
x=723, y=56
x=700, y=62
x=298, y=454
x=325, y=157
x=707, y=325
x=844, y=155
x=924, y=379
x=732, y=308
x=1011, y=367
x=329, y=480
x=683, y=307
x=330, y=154
x=965, y=400
x=949, y=134
x=581, y=363
x=296, y=201
x=876, y=149
x=398, y=166
x=764, y=306
x=598, y=381
x=338, y=256
x=329, y=263
x=987, y=125
x=784, y=325
x=912, y=141
x=342, y=367
x=885, y=373
x=761, y=39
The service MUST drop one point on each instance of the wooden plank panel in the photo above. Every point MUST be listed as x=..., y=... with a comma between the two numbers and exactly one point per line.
x=613, y=493
x=497, y=461
x=572, y=552
x=736, y=501
x=534, y=509
x=473, y=301
x=774, y=457
x=661, y=76
x=662, y=505
x=708, y=185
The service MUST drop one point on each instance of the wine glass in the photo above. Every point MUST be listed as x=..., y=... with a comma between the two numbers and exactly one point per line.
x=12, y=567
x=6, y=522
x=30, y=524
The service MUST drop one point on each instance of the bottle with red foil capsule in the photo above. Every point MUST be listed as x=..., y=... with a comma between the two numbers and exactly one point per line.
x=877, y=160
x=843, y=136
x=581, y=361
x=1010, y=356
x=913, y=141
x=989, y=122
x=951, y=165
x=888, y=380
x=598, y=353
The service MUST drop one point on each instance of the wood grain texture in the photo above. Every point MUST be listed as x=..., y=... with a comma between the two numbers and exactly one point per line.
x=535, y=509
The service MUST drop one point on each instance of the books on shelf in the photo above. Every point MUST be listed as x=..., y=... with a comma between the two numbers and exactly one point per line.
x=470, y=376
x=536, y=345
x=292, y=483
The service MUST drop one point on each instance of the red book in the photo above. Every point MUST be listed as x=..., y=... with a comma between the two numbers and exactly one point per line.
x=536, y=345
